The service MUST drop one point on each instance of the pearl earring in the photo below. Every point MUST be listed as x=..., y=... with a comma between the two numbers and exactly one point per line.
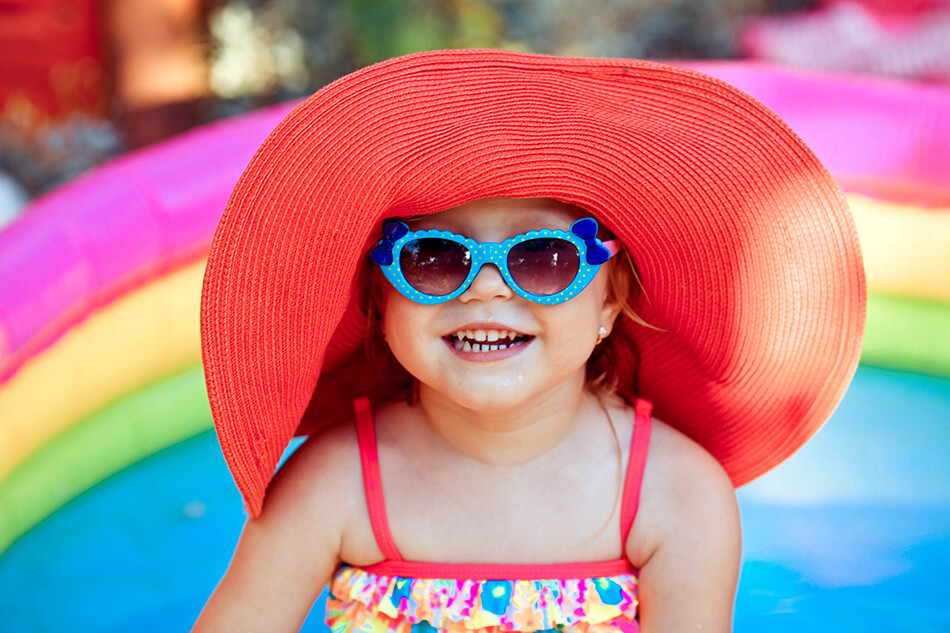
x=602, y=333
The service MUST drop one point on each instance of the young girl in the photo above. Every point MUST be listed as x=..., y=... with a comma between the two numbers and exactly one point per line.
x=472, y=277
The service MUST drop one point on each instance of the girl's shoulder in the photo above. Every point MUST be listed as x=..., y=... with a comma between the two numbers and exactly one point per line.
x=677, y=457
x=332, y=453
x=328, y=467
x=673, y=458
x=685, y=494
x=322, y=481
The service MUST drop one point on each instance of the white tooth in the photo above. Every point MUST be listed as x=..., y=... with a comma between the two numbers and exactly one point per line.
x=476, y=347
x=480, y=335
x=466, y=346
x=492, y=348
x=492, y=335
x=469, y=334
x=503, y=334
x=503, y=346
x=459, y=335
x=458, y=344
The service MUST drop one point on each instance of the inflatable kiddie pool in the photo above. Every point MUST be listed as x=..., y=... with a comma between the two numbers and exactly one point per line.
x=117, y=511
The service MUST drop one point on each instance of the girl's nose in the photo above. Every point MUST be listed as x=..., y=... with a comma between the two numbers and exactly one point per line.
x=488, y=284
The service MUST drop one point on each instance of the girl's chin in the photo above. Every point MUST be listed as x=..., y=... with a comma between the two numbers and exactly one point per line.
x=496, y=394
x=483, y=393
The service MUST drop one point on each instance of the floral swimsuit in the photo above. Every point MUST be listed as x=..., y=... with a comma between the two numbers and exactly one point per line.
x=400, y=596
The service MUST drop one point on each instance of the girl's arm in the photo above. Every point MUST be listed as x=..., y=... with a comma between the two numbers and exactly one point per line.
x=689, y=562
x=287, y=555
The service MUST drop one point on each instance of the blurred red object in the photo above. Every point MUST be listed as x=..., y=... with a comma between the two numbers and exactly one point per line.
x=898, y=38
x=51, y=53
x=159, y=66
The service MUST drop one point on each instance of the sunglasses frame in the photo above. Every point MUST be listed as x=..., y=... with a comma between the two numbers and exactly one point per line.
x=495, y=253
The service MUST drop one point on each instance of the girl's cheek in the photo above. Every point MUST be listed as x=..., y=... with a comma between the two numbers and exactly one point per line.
x=405, y=325
x=396, y=313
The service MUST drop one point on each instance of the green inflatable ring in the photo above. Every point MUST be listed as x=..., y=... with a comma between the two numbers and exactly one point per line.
x=130, y=429
x=908, y=334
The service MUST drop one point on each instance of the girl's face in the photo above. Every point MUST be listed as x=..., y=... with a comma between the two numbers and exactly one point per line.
x=547, y=346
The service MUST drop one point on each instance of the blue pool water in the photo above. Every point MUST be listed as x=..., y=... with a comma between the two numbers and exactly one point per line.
x=851, y=534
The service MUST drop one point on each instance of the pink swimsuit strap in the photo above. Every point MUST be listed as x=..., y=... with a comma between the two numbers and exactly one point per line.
x=394, y=565
x=372, y=481
x=633, y=481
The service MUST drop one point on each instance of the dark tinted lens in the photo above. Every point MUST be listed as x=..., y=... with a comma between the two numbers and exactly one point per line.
x=434, y=266
x=544, y=266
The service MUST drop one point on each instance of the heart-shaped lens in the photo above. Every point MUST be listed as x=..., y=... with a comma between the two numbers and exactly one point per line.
x=435, y=266
x=544, y=265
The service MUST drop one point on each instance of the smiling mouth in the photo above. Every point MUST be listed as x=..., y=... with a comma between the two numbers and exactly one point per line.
x=486, y=340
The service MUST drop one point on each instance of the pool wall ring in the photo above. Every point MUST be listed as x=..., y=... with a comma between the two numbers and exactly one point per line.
x=81, y=251
x=137, y=339
x=885, y=138
x=907, y=333
x=127, y=431
x=112, y=230
x=906, y=248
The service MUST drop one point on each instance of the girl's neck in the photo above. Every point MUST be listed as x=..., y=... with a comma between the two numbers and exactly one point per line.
x=507, y=437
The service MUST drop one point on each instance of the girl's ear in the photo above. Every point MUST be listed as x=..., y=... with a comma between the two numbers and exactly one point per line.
x=609, y=312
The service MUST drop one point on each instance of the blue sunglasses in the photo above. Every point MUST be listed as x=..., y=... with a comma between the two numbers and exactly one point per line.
x=548, y=266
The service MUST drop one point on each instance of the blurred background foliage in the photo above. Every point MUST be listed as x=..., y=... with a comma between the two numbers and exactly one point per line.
x=295, y=46
x=160, y=67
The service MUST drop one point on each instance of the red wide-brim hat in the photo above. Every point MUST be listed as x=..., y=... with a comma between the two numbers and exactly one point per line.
x=748, y=255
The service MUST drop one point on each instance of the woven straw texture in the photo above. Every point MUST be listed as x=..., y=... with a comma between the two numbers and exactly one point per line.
x=748, y=253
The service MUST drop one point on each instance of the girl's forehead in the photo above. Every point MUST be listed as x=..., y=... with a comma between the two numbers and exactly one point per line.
x=502, y=216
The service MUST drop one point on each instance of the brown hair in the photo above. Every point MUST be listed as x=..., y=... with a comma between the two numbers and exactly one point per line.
x=381, y=360
x=625, y=289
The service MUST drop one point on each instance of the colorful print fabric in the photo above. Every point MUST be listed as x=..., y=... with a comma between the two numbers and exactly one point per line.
x=362, y=602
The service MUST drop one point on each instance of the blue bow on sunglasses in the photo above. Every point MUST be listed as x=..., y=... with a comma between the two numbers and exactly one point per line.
x=547, y=266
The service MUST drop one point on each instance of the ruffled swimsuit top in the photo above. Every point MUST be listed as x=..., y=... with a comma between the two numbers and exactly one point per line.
x=400, y=596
